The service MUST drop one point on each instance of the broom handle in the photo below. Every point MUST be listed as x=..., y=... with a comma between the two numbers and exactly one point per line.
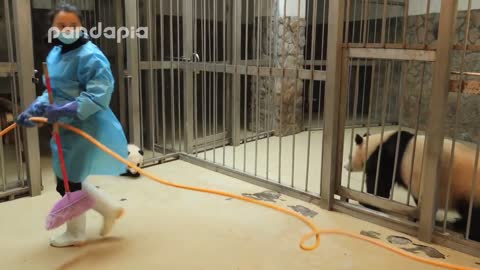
x=56, y=134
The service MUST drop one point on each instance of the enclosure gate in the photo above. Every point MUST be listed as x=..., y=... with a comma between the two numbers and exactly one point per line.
x=20, y=172
x=271, y=91
x=411, y=74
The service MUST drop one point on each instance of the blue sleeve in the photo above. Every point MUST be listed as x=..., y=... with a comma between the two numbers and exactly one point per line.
x=95, y=74
x=43, y=99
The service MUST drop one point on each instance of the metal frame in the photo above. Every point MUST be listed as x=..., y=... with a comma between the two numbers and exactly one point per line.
x=188, y=106
x=235, y=125
x=342, y=56
x=121, y=66
x=334, y=118
x=23, y=35
x=132, y=75
x=7, y=68
x=435, y=128
x=392, y=54
x=304, y=74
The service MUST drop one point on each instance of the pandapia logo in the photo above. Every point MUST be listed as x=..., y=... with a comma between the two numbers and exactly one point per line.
x=98, y=31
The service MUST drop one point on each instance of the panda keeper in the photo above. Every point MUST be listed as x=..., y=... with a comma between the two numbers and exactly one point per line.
x=82, y=85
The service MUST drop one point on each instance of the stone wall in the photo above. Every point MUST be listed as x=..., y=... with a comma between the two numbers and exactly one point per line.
x=289, y=92
x=468, y=118
x=280, y=100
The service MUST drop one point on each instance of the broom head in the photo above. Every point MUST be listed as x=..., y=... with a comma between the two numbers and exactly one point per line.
x=70, y=206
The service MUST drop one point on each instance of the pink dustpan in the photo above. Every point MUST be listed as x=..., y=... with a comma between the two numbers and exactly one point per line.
x=72, y=204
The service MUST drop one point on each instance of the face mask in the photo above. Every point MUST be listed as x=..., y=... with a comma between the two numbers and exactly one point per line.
x=69, y=37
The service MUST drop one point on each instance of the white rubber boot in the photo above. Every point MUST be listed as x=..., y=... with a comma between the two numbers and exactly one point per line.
x=74, y=235
x=106, y=207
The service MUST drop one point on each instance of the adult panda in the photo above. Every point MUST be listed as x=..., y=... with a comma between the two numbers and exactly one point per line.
x=383, y=149
x=135, y=155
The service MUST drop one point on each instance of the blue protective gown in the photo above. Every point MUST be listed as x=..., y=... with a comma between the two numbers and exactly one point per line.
x=84, y=75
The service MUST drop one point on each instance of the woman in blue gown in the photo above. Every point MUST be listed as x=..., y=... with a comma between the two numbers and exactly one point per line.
x=82, y=85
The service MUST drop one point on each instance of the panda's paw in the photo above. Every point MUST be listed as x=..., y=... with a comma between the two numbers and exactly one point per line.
x=134, y=175
x=130, y=174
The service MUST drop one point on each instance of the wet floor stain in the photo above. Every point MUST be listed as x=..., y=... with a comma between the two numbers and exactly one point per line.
x=123, y=199
x=429, y=251
x=398, y=240
x=303, y=210
x=268, y=196
x=401, y=241
x=371, y=234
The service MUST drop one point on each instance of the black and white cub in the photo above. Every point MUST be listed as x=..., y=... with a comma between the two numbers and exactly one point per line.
x=462, y=172
x=135, y=155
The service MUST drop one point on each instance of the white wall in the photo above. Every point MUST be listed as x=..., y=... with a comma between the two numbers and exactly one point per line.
x=292, y=7
x=49, y=4
x=201, y=11
x=375, y=11
x=415, y=7
x=42, y=4
x=418, y=7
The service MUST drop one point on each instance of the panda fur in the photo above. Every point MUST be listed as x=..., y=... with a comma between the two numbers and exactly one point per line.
x=135, y=155
x=462, y=171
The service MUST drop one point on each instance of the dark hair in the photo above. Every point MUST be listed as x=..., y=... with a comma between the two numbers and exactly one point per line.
x=65, y=7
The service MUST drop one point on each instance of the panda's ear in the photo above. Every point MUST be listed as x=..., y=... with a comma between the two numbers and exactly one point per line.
x=358, y=139
x=141, y=152
x=366, y=134
x=129, y=152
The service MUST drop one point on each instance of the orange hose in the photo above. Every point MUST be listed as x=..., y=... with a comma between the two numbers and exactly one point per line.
x=315, y=231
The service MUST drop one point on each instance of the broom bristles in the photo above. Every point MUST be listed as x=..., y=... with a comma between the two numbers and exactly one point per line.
x=70, y=206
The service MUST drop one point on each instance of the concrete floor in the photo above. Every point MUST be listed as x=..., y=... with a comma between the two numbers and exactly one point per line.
x=166, y=228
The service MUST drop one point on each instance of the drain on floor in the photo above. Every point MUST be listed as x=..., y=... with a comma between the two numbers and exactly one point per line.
x=303, y=210
x=268, y=196
x=371, y=234
x=123, y=199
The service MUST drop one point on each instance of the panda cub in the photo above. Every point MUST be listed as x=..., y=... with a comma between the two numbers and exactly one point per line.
x=383, y=149
x=135, y=155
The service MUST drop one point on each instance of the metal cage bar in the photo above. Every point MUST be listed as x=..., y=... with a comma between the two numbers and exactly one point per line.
x=333, y=143
x=435, y=128
x=24, y=57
